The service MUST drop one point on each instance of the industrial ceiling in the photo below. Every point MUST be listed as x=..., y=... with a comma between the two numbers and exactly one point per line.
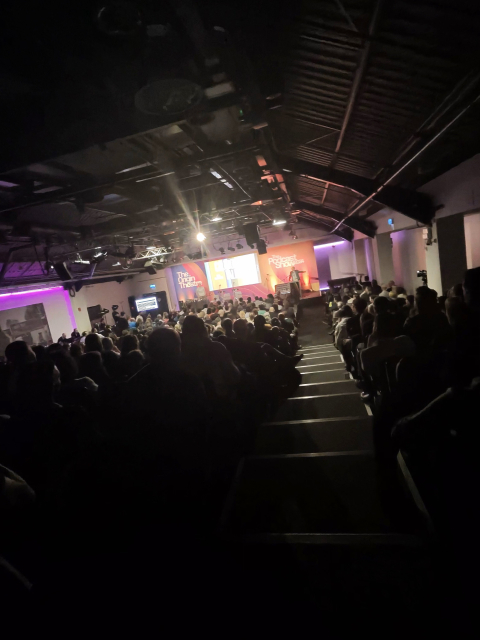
x=129, y=125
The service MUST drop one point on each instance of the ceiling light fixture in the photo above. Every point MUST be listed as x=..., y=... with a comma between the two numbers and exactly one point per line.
x=330, y=244
x=216, y=219
x=216, y=174
x=151, y=247
x=201, y=237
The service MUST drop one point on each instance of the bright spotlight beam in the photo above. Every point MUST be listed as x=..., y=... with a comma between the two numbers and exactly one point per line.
x=201, y=237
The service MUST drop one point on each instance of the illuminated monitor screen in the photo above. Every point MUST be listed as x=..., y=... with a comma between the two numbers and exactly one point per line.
x=146, y=304
x=237, y=271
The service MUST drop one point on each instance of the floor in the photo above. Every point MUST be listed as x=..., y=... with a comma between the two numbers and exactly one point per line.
x=309, y=510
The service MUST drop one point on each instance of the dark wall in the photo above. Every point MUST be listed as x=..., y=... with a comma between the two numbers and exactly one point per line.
x=451, y=249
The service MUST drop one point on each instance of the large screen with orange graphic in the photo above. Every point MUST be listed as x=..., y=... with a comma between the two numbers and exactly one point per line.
x=237, y=271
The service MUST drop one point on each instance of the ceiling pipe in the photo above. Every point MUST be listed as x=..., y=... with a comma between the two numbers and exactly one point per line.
x=356, y=84
x=364, y=201
x=458, y=93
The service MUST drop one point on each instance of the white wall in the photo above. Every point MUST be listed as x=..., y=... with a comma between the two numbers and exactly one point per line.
x=384, y=258
x=141, y=284
x=472, y=239
x=457, y=190
x=106, y=294
x=342, y=260
x=432, y=261
x=409, y=256
x=57, y=309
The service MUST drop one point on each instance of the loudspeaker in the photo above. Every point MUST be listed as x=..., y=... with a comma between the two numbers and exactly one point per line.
x=251, y=233
x=133, y=308
x=261, y=246
x=62, y=271
x=150, y=268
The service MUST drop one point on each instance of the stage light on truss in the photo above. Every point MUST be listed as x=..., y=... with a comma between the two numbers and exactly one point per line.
x=201, y=237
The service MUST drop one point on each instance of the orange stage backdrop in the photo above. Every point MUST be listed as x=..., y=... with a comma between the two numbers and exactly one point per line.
x=276, y=264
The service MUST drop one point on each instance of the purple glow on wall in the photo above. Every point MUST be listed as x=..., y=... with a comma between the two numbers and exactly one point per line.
x=330, y=244
x=68, y=303
x=24, y=293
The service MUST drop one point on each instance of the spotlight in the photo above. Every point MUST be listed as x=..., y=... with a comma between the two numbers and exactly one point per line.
x=279, y=222
x=216, y=219
x=239, y=246
x=201, y=237
x=151, y=248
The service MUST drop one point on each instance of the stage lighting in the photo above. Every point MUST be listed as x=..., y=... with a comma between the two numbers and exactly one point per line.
x=279, y=222
x=239, y=246
x=201, y=237
x=216, y=219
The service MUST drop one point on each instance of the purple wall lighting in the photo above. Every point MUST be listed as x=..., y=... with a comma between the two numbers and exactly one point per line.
x=24, y=293
x=330, y=244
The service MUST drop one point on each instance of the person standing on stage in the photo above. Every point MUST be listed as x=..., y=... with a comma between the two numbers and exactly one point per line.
x=294, y=278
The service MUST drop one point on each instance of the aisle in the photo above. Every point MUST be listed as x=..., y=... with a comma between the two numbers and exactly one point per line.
x=312, y=480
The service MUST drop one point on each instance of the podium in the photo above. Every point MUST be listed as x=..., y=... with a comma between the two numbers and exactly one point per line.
x=284, y=288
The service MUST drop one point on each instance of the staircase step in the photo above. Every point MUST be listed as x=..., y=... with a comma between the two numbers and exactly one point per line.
x=329, y=406
x=328, y=493
x=336, y=372
x=324, y=388
x=315, y=437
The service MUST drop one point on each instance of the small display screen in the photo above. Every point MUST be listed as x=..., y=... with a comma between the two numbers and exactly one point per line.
x=146, y=304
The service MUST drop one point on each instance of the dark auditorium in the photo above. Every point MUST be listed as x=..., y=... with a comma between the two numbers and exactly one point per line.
x=240, y=318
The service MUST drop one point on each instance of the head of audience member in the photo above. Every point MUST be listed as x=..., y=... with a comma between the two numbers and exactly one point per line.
x=240, y=328
x=345, y=312
x=163, y=347
x=410, y=301
x=18, y=354
x=359, y=305
x=381, y=305
x=91, y=366
x=471, y=289
x=133, y=362
x=40, y=351
x=259, y=323
x=227, y=326
x=385, y=326
x=76, y=350
x=35, y=385
x=93, y=342
x=441, y=303
x=262, y=307
x=426, y=301
x=66, y=365
x=456, y=291
x=194, y=331
x=256, y=297
x=249, y=299
x=107, y=344
x=457, y=312
x=275, y=322
x=129, y=343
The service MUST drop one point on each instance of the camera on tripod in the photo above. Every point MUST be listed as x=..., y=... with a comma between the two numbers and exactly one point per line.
x=423, y=275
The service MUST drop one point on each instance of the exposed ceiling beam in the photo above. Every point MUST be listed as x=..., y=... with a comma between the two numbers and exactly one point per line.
x=413, y=204
x=367, y=227
x=345, y=233
x=357, y=80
